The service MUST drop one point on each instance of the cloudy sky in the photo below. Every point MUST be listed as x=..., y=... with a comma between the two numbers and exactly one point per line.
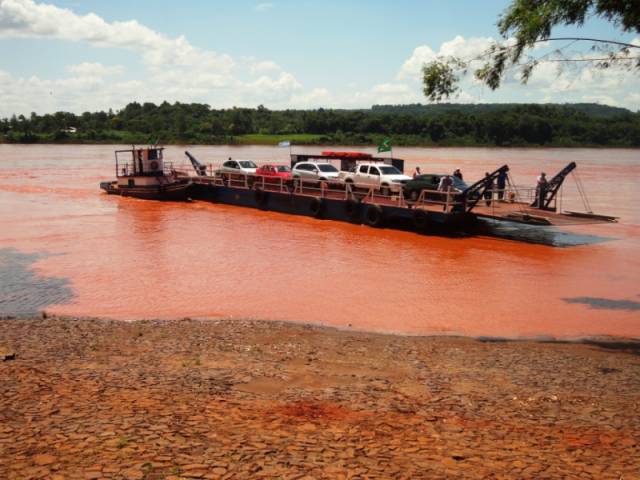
x=94, y=54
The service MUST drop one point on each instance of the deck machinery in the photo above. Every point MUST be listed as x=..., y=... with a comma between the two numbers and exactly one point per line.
x=366, y=205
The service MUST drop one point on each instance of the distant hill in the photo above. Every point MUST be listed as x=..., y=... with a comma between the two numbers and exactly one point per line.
x=591, y=109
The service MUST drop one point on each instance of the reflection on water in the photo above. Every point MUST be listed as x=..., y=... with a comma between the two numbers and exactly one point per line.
x=126, y=258
x=544, y=235
x=22, y=292
x=606, y=303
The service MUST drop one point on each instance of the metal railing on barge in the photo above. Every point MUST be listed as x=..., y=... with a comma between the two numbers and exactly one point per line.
x=450, y=201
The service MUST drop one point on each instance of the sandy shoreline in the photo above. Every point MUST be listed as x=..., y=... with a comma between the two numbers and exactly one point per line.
x=90, y=399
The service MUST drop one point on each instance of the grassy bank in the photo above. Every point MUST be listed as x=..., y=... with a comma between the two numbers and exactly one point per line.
x=120, y=137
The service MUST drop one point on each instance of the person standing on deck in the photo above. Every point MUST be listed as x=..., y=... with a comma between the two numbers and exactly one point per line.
x=417, y=172
x=502, y=183
x=541, y=190
x=488, y=191
x=457, y=173
x=445, y=185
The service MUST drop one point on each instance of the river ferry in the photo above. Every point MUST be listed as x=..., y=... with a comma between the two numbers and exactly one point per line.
x=143, y=173
x=371, y=204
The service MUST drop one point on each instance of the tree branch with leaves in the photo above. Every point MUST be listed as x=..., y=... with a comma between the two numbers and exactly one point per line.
x=527, y=23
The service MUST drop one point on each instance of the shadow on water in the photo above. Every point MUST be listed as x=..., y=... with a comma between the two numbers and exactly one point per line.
x=22, y=292
x=542, y=235
x=605, y=303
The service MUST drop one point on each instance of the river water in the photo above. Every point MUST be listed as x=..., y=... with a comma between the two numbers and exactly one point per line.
x=69, y=249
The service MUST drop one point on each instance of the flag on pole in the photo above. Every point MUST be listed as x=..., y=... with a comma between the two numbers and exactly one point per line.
x=385, y=146
x=285, y=144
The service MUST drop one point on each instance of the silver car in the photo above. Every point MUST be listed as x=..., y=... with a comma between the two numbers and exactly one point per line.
x=238, y=166
x=315, y=171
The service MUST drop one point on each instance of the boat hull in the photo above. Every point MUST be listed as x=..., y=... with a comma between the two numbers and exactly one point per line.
x=329, y=209
x=177, y=191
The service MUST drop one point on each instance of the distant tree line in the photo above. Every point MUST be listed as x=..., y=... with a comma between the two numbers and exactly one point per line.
x=441, y=124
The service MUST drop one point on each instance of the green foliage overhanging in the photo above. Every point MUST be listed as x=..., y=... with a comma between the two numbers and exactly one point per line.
x=528, y=22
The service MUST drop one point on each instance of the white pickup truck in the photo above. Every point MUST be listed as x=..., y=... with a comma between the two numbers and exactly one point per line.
x=379, y=175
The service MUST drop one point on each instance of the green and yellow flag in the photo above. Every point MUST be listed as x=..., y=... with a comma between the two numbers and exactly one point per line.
x=385, y=146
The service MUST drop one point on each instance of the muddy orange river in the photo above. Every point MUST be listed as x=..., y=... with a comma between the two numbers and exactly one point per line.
x=67, y=248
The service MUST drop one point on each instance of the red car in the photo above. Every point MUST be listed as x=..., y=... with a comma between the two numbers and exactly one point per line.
x=281, y=171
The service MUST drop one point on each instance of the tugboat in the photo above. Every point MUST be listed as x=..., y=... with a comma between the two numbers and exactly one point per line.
x=142, y=173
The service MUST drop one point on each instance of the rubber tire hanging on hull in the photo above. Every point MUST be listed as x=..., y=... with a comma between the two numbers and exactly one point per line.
x=261, y=198
x=420, y=220
x=316, y=207
x=352, y=209
x=374, y=216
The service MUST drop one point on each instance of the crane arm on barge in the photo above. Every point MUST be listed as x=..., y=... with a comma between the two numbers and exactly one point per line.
x=475, y=192
x=201, y=170
x=553, y=185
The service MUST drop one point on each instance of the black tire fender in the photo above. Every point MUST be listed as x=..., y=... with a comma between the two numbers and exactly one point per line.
x=352, y=208
x=261, y=197
x=374, y=216
x=420, y=219
x=316, y=207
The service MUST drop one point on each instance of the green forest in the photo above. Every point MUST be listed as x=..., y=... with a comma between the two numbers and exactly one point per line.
x=566, y=125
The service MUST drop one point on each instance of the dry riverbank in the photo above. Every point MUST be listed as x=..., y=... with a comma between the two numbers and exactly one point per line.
x=92, y=399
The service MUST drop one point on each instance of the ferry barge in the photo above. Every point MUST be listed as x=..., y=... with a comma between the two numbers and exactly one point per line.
x=143, y=174
x=372, y=206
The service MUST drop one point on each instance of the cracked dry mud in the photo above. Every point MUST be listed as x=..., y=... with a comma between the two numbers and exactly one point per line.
x=91, y=399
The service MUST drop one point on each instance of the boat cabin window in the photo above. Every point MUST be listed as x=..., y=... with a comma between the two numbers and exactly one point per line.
x=363, y=168
x=153, y=154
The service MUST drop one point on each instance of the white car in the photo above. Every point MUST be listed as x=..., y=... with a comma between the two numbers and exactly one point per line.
x=379, y=175
x=238, y=166
x=315, y=171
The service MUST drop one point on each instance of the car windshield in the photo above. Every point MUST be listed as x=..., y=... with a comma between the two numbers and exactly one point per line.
x=326, y=167
x=282, y=168
x=459, y=184
x=386, y=170
x=247, y=164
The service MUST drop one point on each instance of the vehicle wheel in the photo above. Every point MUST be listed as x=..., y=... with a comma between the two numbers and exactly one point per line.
x=374, y=216
x=316, y=207
x=420, y=220
x=384, y=190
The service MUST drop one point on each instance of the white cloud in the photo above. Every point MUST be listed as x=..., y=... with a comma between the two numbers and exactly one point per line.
x=173, y=69
x=264, y=66
x=318, y=97
x=26, y=19
x=96, y=69
x=263, y=7
x=464, y=49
